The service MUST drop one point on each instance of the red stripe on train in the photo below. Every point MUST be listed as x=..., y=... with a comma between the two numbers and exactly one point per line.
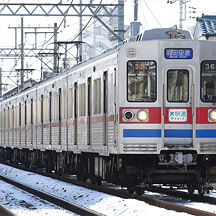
x=202, y=115
x=154, y=115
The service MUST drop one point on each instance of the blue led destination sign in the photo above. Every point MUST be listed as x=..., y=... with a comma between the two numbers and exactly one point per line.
x=179, y=53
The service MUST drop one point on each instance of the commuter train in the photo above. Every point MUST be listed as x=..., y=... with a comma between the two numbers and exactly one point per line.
x=136, y=115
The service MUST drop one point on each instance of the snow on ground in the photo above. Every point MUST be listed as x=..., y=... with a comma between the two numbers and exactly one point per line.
x=22, y=203
x=106, y=204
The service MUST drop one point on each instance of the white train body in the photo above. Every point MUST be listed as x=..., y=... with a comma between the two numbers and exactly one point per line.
x=136, y=112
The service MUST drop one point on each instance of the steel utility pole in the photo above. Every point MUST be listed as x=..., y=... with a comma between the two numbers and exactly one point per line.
x=121, y=21
x=181, y=3
x=135, y=10
x=80, y=33
x=22, y=55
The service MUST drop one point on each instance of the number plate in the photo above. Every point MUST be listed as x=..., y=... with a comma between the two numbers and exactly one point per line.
x=177, y=115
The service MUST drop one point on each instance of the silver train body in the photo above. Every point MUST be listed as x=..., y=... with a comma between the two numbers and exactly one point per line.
x=134, y=115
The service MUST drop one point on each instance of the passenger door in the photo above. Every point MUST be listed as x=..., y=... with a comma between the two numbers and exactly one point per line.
x=177, y=107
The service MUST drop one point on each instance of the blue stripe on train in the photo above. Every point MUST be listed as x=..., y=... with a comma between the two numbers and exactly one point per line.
x=178, y=133
x=206, y=133
x=141, y=132
x=168, y=133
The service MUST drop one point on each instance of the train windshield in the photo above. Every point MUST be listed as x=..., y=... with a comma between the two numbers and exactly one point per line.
x=208, y=81
x=178, y=85
x=142, y=81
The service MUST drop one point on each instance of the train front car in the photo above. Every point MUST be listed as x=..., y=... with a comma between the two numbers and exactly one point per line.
x=167, y=131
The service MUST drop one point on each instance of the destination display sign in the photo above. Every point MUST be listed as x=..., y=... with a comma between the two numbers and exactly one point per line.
x=179, y=53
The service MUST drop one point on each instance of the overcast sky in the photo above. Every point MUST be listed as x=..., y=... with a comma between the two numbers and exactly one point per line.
x=159, y=13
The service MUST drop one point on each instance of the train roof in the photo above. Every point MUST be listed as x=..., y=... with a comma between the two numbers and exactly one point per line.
x=163, y=33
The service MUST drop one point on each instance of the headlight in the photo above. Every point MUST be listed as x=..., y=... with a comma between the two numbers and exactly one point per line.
x=128, y=115
x=212, y=115
x=143, y=115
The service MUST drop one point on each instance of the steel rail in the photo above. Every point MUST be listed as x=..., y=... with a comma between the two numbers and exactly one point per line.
x=122, y=194
x=73, y=207
x=5, y=212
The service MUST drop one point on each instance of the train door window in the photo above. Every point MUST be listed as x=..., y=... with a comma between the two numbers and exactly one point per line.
x=55, y=106
x=75, y=113
x=28, y=113
x=12, y=123
x=59, y=116
x=38, y=111
x=8, y=127
x=111, y=94
x=20, y=121
x=31, y=121
x=105, y=91
x=141, y=81
x=27, y=118
x=7, y=123
x=105, y=106
x=82, y=100
x=178, y=85
x=45, y=111
x=89, y=96
x=70, y=103
x=42, y=117
x=50, y=117
x=208, y=81
x=35, y=112
x=64, y=105
x=23, y=115
x=97, y=96
x=89, y=110
x=4, y=126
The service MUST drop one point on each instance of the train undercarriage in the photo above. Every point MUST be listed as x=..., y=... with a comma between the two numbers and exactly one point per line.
x=132, y=171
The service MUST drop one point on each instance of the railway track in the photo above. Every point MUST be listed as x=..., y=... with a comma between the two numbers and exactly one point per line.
x=124, y=194
x=183, y=195
x=80, y=210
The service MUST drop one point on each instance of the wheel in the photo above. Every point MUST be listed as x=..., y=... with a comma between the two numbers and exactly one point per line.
x=130, y=189
x=190, y=189
x=201, y=191
x=140, y=191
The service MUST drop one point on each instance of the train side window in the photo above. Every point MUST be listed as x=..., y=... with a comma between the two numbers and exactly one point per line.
x=55, y=106
x=42, y=109
x=38, y=111
x=28, y=114
x=64, y=104
x=82, y=100
x=32, y=113
x=46, y=109
x=141, y=81
x=50, y=106
x=97, y=96
x=70, y=93
x=59, y=104
x=23, y=115
x=35, y=112
x=12, y=123
x=4, y=123
x=177, y=85
x=208, y=81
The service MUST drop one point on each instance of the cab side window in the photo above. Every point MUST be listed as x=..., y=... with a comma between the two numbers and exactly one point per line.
x=208, y=81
